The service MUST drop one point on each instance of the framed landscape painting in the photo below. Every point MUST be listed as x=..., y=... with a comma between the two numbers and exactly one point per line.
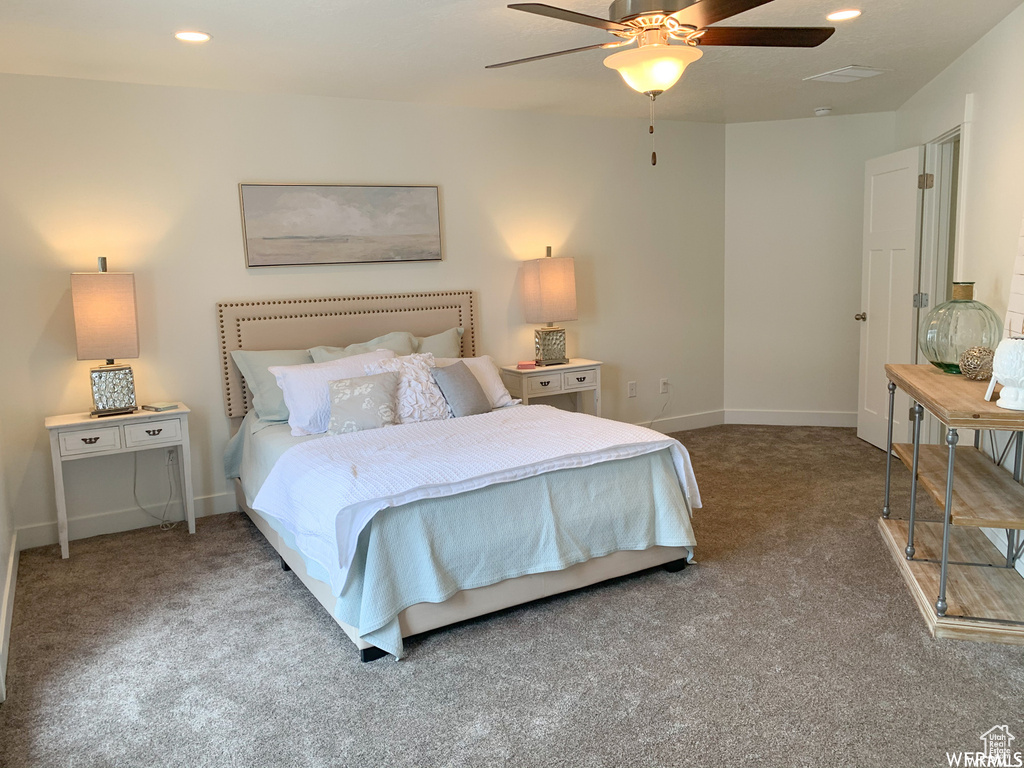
x=300, y=224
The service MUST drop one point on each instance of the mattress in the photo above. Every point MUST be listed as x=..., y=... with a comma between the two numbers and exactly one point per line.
x=430, y=549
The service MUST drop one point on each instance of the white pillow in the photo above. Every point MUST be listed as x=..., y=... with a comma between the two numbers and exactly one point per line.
x=419, y=397
x=307, y=388
x=487, y=374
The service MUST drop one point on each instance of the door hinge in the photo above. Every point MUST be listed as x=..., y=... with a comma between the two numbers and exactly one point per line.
x=920, y=300
x=926, y=181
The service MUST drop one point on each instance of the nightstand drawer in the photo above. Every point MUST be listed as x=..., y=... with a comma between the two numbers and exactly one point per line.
x=543, y=385
x=152, y=432
x=89, y=440
x=579, y=379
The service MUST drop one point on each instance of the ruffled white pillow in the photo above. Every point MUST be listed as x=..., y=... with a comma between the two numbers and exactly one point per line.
x=419, y=397
x=487, y=374
x=307, y=388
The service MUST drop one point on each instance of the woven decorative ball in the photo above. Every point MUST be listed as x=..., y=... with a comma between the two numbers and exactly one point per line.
x=976, y=363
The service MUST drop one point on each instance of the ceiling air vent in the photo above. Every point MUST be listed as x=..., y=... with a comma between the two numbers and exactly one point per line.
x=846, y=74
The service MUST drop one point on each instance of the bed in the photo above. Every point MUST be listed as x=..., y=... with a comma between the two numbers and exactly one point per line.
x=427, y=559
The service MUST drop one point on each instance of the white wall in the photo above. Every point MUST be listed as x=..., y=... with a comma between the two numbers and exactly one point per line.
x=794, y=204
x=147, y=176
x=8, y=571
x=993, y=71
x=6, y=514
x=793, y=221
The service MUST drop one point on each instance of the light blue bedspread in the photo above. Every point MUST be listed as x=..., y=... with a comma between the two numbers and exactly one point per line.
x=428, y=550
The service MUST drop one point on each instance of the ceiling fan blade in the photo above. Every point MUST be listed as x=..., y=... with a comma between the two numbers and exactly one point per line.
x=556, y=53
x=704, y=13
x=577, y=18
x=772, y=37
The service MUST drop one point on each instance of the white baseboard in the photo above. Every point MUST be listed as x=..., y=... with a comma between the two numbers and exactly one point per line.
x=792, y=418
x=683, y=423
x=42, y=534
x=7, y=608
x=766, y=418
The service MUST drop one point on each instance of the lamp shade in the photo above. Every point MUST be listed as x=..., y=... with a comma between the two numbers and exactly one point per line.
x=653, y=68
x=549, y=290
x=105, y=321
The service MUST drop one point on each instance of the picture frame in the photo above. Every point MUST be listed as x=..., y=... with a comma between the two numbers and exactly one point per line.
x=289, y=225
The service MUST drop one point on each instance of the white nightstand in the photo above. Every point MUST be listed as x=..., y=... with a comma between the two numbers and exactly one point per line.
x=573, y=378
x=80, y=436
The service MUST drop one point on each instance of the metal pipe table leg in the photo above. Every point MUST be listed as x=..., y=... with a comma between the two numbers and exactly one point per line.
x=951, y=440
x=1011, y=535
x=888, y=452
x=918, y=411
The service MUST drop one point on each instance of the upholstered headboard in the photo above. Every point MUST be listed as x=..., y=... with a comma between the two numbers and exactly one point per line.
x=337, y=321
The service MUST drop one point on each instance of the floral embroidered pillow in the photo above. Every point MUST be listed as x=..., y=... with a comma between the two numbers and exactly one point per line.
x=419, y=398
x=366, y=402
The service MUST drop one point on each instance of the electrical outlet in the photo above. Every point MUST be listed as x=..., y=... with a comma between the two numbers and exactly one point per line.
x=631, y=389
x=172, y=456
x=663, y=389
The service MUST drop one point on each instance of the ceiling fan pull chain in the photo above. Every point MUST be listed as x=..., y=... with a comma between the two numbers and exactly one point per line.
x=654, y=155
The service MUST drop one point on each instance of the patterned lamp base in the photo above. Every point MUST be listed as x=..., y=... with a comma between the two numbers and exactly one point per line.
x=549, y=346
x=113, y=390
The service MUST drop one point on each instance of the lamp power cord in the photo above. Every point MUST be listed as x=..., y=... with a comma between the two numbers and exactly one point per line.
x=165, y=524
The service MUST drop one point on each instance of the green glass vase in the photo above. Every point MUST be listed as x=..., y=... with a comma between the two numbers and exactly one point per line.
x=953, y=327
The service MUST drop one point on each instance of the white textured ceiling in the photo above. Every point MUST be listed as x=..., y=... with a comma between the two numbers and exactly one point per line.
x=435, y=51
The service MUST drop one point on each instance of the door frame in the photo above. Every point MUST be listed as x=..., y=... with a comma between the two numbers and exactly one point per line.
x=940, y=260
x=940, y=218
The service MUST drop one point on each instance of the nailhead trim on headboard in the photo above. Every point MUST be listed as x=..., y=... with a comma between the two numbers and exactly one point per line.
x=233, y=314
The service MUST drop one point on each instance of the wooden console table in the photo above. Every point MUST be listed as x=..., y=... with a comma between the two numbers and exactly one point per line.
x=986, y=594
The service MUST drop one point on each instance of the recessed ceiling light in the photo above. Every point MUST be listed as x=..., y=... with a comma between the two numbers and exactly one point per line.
x=843, y=15
x=191, y=36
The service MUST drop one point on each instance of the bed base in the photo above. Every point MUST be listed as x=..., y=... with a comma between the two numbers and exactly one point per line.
x=472, y=603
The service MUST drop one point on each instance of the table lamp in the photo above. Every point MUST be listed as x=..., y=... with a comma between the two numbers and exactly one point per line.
x=106, y=327
x=549, y=296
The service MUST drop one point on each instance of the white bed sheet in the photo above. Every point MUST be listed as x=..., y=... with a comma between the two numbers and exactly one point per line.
x=261, y=447
x=325, y=494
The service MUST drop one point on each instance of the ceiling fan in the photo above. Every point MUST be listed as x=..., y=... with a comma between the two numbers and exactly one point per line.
x=655, y=65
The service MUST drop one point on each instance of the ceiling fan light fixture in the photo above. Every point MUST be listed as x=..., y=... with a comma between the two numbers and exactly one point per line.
x=192, y=36
x=653, y=68
x=851, y=13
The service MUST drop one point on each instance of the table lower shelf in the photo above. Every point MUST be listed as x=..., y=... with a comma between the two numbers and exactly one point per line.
x=973, y=592
x=984, y=494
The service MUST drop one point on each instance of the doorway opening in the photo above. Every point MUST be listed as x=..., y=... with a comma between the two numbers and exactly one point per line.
x=939, y=265
x=939, y=219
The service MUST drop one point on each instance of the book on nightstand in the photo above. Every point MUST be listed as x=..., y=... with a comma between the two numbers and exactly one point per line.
x=160, y=407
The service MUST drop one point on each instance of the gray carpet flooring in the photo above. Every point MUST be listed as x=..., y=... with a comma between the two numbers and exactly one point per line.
x=793, y=642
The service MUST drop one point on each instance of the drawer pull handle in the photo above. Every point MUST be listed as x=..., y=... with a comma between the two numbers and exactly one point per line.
x=544, y=383
x=581, y=379
x=154, y=432
x=90, y=440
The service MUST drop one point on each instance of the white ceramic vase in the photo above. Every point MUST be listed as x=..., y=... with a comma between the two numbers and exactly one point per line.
x=1008, y=370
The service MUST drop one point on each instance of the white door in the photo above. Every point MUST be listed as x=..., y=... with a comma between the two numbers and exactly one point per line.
x=889, y=276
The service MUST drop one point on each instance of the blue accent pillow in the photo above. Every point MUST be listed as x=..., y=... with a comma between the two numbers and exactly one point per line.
x=461, y=390
x=399, y=342
x=445, y=344
x=267, y=397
